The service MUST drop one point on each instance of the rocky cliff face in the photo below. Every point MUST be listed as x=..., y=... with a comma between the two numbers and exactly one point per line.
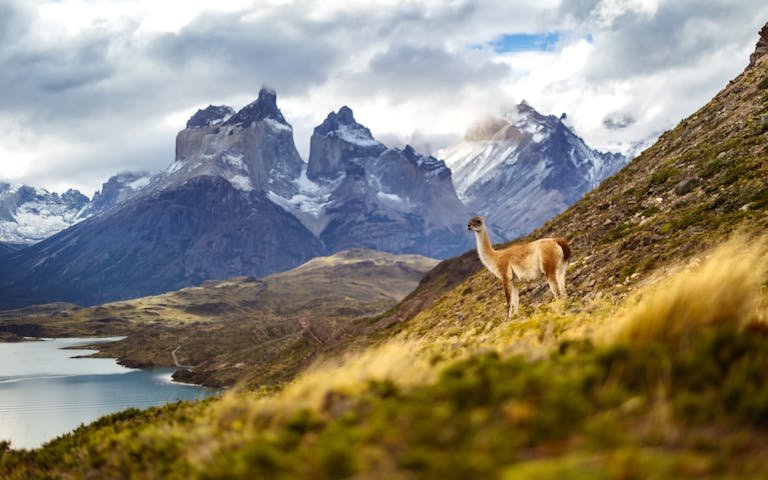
x=253, y=148
x=762, y=46
x=337, y=142
x=357, y=192
x=524, y=168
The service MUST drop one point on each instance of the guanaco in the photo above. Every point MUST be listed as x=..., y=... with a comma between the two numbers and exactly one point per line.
x=546, y=257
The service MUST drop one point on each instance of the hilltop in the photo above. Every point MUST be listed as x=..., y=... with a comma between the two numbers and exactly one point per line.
x=656, y=367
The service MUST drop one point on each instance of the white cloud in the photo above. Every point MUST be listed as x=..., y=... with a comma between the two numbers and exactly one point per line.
x=607, y=11
x=92, y=87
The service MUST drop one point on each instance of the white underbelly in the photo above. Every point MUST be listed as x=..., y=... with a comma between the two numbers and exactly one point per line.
x=528, y=270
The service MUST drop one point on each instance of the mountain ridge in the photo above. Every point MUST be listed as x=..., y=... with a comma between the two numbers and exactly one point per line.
x=234, y=202
x=522, y=168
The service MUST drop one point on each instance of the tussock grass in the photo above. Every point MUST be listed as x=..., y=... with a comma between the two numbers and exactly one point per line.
x=404, y=362
x=724, y=289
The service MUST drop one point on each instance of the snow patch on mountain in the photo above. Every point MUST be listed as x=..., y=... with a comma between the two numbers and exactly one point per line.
x=240, y=182
x=310, y=203
x=357, y=136
x=29, y=214
x=275, y=125
x=139, y=183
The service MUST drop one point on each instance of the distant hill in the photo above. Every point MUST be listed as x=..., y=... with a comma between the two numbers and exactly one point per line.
x=241, y=328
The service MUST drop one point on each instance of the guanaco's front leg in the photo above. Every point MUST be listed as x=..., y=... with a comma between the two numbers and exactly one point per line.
x=512, y=295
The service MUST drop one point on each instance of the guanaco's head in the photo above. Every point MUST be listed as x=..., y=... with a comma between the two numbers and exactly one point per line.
x=475, y=224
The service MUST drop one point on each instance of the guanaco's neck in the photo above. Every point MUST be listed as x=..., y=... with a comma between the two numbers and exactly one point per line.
x=484, y=242
x=485, y=251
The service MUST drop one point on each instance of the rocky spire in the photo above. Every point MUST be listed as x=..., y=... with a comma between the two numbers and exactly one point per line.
x=338, y=141
x=264, y=107
x=336, y=119
x=762, y=46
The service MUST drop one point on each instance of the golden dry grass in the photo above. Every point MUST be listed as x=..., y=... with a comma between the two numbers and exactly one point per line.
x=725, y=288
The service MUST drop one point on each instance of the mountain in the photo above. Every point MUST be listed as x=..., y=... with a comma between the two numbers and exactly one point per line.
x=29, y=214
x=358, y=192
x=116, y=190
x=200, y=230
x=8, y=247
x=252, y=149
x=237, y=200
x=524, y=168
x=262, y=329
x=206, y=217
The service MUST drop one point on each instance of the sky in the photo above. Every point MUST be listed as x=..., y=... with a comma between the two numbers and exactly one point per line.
x=90, y=88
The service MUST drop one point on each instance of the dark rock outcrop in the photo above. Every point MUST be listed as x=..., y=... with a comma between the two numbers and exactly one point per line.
x=762, y=46
x=210, y=116
x=686, y=186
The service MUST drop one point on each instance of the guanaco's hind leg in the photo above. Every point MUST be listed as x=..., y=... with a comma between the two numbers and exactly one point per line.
x=561, y=280
x=515, y=299
x=552, y=281
x=507, y=294
x=551, y=265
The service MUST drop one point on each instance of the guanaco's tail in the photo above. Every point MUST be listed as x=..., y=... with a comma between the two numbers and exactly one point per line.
x=567, y=252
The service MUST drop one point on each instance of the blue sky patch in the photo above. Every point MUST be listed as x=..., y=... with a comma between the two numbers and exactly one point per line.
x=521, y=42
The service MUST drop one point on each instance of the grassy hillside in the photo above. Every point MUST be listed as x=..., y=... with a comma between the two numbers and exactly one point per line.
x=666, y=391
x=656, y=367
x=700, y=182
x=242, y=328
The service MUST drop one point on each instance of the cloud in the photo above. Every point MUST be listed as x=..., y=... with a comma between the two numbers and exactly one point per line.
x=89, y=89
x=242, y=54
x=641, y=37
x=419, y=71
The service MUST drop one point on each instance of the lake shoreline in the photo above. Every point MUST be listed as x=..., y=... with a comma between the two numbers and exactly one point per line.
x=48, y=392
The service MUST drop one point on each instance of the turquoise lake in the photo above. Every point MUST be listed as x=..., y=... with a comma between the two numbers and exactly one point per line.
x=44, y=392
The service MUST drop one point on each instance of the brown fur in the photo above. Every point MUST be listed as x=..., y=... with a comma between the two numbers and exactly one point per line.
x=546, y=257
